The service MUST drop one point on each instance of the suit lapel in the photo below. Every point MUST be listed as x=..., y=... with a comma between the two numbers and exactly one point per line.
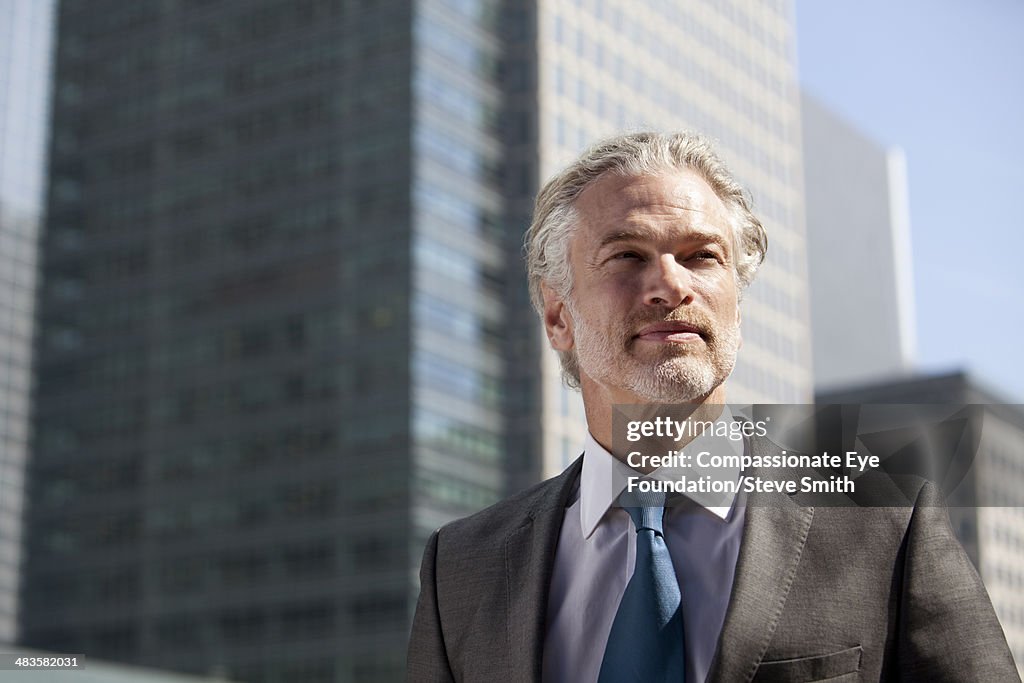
x=774, y=533
x=529, y=563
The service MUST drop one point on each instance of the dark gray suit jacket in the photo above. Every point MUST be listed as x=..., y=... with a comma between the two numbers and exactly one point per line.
x=837, y=594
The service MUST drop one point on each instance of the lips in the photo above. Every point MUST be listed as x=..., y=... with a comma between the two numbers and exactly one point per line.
x=671, y=331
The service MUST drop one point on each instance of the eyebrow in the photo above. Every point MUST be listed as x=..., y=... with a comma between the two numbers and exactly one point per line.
x=640, y=235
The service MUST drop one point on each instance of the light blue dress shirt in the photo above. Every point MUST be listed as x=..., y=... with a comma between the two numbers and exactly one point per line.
x=595, y=558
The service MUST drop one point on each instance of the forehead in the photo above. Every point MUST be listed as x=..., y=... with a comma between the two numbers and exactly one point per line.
x=670, y=202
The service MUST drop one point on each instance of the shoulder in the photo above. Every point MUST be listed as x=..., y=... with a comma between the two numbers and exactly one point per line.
x=886, y=492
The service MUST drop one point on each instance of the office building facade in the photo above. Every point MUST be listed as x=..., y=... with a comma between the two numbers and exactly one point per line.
x=856, y=207
x=221, y=475
x=285, y=327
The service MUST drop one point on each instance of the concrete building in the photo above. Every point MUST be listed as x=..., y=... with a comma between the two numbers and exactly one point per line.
x=858, y=246
x=26, y=29
x=285, y=327
x=987, y=508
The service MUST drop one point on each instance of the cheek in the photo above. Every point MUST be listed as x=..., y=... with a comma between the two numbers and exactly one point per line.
x=721, y=293
x=620, y=292
x=712, y=299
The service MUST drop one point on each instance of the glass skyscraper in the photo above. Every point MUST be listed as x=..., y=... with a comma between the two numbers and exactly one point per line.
x=285, y=332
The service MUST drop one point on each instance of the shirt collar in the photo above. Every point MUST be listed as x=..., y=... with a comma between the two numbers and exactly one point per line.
x=604, y=477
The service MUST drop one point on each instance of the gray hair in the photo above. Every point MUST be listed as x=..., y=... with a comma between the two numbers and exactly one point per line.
x=632, y=154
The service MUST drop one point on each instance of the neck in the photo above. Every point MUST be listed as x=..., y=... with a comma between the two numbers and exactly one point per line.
x=598, y=406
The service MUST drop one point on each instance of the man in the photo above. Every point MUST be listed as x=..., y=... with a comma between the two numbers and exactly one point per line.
x=637, y=258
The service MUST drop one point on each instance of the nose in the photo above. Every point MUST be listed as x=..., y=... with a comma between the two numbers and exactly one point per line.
x=669, y=283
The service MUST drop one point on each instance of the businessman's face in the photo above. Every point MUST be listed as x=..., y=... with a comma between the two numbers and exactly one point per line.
x=653, y=315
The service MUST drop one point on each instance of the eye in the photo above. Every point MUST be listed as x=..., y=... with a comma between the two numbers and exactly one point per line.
x=626, y=256
x=705, y=255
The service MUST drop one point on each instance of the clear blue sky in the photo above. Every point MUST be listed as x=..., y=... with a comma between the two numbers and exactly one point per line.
x=944, y=80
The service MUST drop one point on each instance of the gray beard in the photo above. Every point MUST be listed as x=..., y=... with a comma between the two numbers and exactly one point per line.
x=675, y=378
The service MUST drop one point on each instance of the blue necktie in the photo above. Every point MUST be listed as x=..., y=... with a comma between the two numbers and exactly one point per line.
x=646, y=641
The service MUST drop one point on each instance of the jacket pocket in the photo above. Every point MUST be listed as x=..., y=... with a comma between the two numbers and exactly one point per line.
x=828, y=667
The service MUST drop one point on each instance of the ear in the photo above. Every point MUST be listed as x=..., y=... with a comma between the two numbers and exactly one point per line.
x=557, y=321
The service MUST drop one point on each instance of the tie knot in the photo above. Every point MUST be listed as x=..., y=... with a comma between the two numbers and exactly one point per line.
x=646, y=509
